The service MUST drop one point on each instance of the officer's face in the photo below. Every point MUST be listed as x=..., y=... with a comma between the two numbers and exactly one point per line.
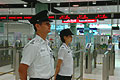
x=68, y=38
x=45, y=27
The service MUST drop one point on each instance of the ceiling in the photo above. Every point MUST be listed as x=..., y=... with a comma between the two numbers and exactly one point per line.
x=11, y=2
x=59, y=6
x=16, y=7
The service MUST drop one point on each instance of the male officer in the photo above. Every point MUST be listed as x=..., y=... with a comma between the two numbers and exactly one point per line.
x=37, y=60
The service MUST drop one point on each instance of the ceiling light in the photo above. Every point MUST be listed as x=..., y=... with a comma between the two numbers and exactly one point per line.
x=98, y=8
x=75, y=5
x=21, y=13
x=66, y=9
x=58, y=4
x=48, y=0
x=71, y=12
x=25, y=5
x=94, y=2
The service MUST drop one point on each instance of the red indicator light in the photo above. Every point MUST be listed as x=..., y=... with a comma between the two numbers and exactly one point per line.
x=3, y=17
x=79, y=21
x=19, y=17
x=100, y=16
x=11, y=17
x=51, y=17
x=82, y=17
x=27, y=17
x=64, y=17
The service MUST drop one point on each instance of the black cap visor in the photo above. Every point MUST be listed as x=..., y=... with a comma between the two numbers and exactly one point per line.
x=45, y=19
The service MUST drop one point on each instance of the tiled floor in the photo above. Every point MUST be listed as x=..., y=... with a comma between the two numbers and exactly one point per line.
x=96, y=73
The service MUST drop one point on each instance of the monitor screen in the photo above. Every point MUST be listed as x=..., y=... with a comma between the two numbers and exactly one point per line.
x=110, y=46
x=88, y=45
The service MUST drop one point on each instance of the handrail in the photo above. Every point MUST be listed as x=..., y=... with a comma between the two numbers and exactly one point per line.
x=7, y=48
x=78, y=51
x=106, y=53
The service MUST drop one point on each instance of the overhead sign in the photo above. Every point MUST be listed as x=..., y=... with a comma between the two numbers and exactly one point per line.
x=64, y=17
x=79, y=21
x=84, y=16
x=15, y=17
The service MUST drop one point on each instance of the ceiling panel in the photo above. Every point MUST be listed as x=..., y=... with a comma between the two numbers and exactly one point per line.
x=12, y=2
x=91, y=9
x=17, y=11
x=58, y=1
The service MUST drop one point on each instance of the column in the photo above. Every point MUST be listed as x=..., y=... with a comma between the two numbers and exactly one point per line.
x=1, y=28
x=40, y=6
x=73, y=28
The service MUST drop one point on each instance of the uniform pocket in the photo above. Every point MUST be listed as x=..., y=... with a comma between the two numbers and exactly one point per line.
x=44, y=58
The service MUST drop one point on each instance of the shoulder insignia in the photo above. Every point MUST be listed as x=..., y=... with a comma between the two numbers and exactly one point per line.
x=32, y=42
x=68, y=51
x=50, y=50
x=62, y=47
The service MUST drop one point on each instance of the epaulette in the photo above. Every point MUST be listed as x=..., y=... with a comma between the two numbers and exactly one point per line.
x=32, y=42
x=62, y=47
x=68, y=51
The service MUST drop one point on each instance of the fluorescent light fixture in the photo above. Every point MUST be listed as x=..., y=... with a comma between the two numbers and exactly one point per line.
x=98, y=8
x=94, y=2
x=90, y=31
x=75, y=5
x=21, y=13
x=58, y=4
x=71, y=12
x=66, y=9
x=48, y=0
x=25, y=5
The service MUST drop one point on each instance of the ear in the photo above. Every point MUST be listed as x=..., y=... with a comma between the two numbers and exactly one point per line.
x=37, y=26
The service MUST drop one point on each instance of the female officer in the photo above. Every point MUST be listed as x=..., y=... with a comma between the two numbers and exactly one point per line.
x=64, y=68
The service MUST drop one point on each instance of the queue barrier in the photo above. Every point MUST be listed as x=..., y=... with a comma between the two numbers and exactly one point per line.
x=6, y=58
x=10, y=57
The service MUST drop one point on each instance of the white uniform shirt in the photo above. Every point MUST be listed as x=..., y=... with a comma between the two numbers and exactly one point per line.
x=65, y=54
x=39, y=57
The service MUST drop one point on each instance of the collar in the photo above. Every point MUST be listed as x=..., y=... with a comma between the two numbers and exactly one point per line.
x=66, y=46
x=39, y=39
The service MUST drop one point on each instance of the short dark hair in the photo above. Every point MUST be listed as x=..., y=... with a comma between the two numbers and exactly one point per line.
x=35, y=27
x=65, y=32
x=62, y=38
